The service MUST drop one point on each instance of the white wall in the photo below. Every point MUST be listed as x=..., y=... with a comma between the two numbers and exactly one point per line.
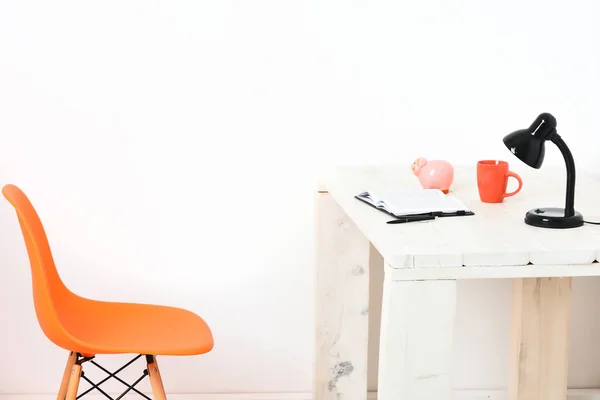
x=171, y=149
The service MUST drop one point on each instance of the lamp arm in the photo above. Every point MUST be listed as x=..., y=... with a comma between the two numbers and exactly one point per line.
x=570, y=163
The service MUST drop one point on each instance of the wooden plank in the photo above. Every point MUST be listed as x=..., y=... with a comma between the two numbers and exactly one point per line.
x=495, y=236
x=417, y=338
x=496, y=272
x=540, y=339
x=342, y=305
x=376, y=276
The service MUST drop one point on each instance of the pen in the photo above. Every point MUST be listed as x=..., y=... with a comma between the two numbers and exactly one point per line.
x=413, y=219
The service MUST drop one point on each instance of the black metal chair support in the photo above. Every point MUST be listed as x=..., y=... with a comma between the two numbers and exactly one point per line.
x=113, y=375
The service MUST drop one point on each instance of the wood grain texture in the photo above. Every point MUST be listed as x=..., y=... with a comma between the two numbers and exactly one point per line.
x=156, y=382
x=64, y=385
x=342, y=305
x=73, y=386
x=495, y=236
x=417, y=338
x=540, y=339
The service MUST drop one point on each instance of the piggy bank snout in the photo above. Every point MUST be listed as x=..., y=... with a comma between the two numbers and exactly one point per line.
x=418, y=165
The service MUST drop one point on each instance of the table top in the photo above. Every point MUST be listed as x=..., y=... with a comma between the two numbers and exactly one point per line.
x=495, y=236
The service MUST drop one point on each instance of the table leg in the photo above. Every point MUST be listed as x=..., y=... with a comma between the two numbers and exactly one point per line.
x=342, y=305
x=540, y=338
x=417, y=338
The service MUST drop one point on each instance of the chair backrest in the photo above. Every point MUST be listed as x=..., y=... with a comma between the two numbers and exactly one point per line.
x=49, y=292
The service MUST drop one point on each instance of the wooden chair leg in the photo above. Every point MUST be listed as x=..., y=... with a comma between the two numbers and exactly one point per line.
x=64, y=385
x=155, y=380
x=74, y=382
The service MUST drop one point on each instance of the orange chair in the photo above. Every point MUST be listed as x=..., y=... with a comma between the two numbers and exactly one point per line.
x=88, y=327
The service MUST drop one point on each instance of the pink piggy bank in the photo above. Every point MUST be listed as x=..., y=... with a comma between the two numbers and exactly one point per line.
x=435, y=174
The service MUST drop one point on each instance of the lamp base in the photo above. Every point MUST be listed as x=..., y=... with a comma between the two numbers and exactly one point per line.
x=552, y=217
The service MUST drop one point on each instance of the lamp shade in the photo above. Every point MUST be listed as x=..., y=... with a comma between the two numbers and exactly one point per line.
x=528, y=144
x=526, y=147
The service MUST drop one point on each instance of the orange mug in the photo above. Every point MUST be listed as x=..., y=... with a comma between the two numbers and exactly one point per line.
x=492, y=180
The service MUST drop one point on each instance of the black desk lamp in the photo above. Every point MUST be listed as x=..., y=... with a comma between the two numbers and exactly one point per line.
x=528, y=146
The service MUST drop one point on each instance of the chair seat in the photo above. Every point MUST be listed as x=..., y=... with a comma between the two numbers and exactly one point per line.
x=114, y=328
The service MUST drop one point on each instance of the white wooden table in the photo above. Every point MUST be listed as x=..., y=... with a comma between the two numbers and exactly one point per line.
x=422, y=262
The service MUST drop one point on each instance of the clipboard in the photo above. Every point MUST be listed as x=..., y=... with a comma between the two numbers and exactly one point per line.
x=418, y=216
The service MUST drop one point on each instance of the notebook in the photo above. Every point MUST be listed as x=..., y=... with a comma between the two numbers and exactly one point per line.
x=409, y=201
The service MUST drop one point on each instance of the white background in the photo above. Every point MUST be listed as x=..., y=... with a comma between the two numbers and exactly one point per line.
x=171, y=150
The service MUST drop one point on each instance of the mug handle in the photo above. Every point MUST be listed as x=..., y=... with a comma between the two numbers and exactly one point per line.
x=518, y=178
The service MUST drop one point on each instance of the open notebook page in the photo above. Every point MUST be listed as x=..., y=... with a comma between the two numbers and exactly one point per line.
x=412, y=201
